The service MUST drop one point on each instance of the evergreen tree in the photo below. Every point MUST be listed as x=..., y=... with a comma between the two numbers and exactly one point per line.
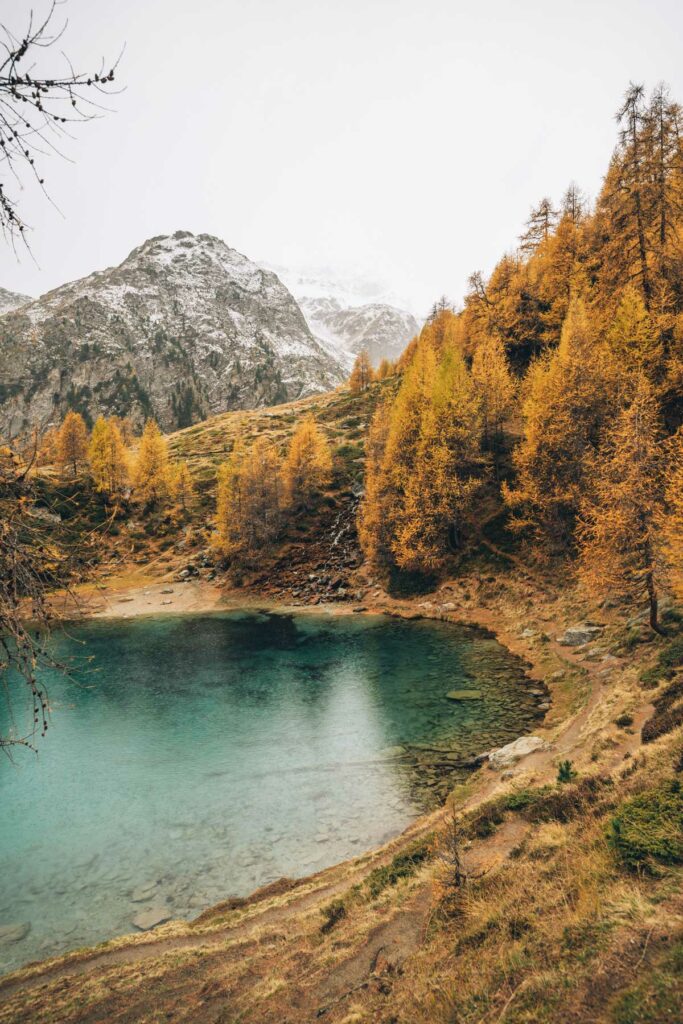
x=108, y=458
x=619, y=534
x=72, y=444
x=362, y=373
x=308, y=465
x=151, y=472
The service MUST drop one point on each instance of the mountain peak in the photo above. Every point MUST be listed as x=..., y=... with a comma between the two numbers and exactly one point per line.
x=183, y=328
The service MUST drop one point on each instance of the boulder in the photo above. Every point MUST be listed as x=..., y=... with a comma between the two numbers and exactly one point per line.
x=464, y=695
x=508, y=755
x=13, y=932
x=575, y=636
x=152, y=917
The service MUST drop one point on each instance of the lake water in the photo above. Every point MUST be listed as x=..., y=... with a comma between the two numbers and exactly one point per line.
x=198, y=757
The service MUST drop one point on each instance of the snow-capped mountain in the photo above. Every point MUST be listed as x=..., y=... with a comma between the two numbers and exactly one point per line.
x=351, y=311
x=185, y=327
x=11, y=300
x=382, y=330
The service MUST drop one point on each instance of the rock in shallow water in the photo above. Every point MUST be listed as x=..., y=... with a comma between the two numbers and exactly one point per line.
x=464, y=695
x=13, y=932
x=152, y=917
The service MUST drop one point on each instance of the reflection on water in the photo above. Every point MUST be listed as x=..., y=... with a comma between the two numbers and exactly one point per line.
x=198, y=757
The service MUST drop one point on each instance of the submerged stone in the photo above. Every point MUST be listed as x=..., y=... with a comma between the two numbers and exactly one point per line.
x=464, y=695
x=14, y=932
x=152, y=917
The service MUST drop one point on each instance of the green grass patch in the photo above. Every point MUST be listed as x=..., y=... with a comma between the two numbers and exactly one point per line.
x=403, y=865
x=649, y=828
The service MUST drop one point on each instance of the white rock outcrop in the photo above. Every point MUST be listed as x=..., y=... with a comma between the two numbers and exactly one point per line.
x=511, y=753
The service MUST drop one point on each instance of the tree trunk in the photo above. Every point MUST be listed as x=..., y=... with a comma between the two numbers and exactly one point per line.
x=654, y=605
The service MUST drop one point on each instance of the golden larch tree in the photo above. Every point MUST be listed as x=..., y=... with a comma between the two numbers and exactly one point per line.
x=385, y=369
x=308, y=465
x=248, y=503
x=362, y=374
x=495, y=388
x=393, y=439
x=151, y=471
x=108, y=458
x=672, y=518
x=72, y=444
x=434, y=506
x=181, y=484
x=619, y=525
x=569, y=396
x=373, y=526
x=633, y=336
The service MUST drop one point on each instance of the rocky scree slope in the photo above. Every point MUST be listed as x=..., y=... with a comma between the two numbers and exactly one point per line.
x=184, y=328
x=382, y=330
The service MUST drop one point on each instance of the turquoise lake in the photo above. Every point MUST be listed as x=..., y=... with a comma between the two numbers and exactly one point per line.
x=198, y=757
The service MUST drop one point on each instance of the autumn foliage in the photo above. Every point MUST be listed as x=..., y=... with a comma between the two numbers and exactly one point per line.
x=308, y=464
x=72, y=444
x=562, y=376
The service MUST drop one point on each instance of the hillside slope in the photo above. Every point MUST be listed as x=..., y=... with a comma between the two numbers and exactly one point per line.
x=185, y=327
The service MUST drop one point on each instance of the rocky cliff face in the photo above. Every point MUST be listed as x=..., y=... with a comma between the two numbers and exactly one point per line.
x=184, y=328
x=382, y=330
x=11, y=300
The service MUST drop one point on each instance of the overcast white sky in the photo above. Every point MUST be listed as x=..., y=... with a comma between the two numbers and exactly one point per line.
x=402, y=139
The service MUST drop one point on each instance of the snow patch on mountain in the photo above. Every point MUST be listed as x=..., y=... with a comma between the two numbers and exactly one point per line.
x=350, y=312
x=12, y=300
x=184, y=328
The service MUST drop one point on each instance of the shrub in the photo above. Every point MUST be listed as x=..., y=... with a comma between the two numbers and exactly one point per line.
x=487, y=818
x=403, y=865
x=566, y=803
x=623, y=721
x=522, y=798
x=667, y=716
x=648, y=827
x=333, y=913
x=565, y=772
x=670, y=659
x=662, y=723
